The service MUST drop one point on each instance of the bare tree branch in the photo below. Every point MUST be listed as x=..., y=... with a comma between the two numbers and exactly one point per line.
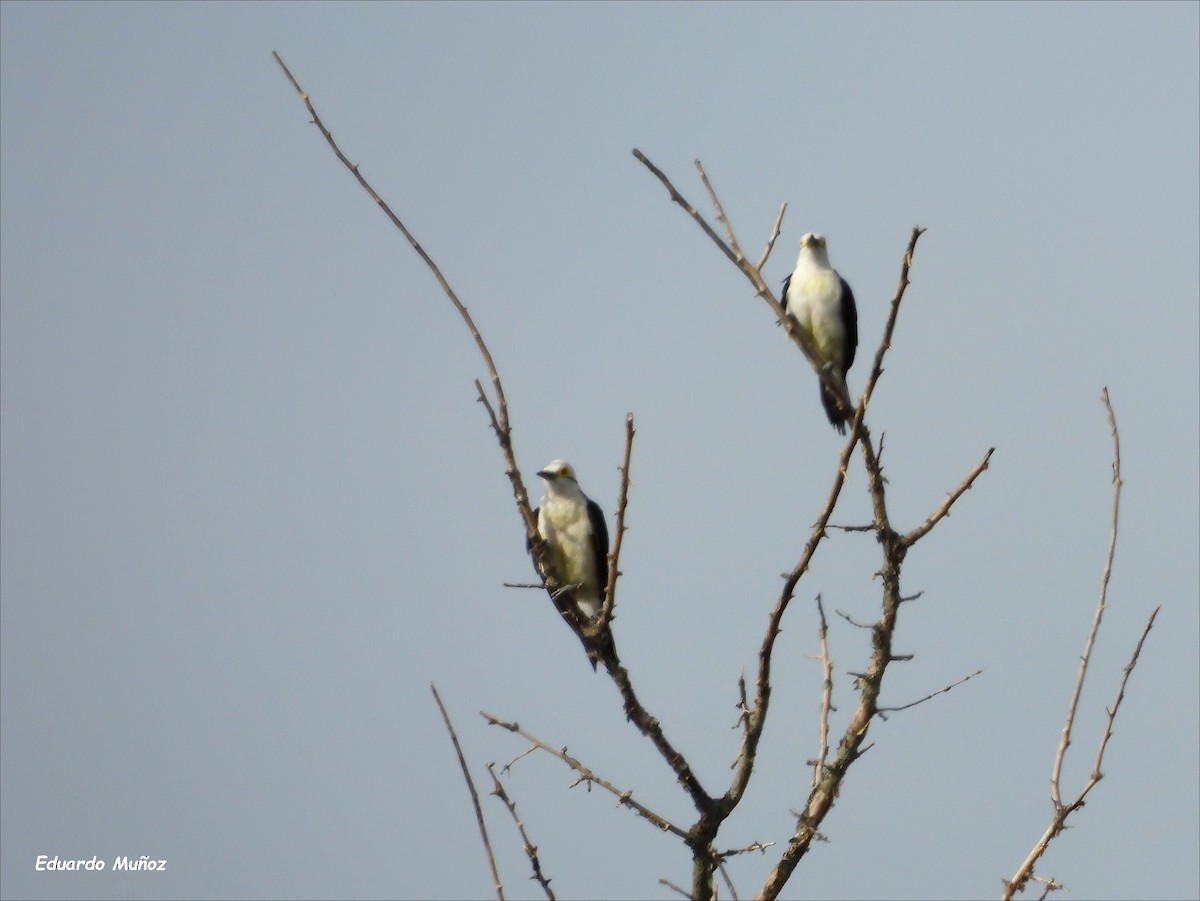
x=944, y=510
x=614, y=555
x=497, y=415
x=1048, y=886
x=598, y=643
x=1063, y=810
x=941, y=691
x=673, y=887
x=760, y=847
x=597, y=640
x=597, y=637
x=720, y=211
x=462, y=762
x=531, y=850
x=890, y=327
x=852, y=744
x=762, y=261
x=728, y=881
x=826, y=697
x=624, y=797
x=1065, y=738
x=752, y=273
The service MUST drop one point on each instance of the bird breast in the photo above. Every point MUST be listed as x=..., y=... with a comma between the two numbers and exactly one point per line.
x=568, y=531
x=818, y=311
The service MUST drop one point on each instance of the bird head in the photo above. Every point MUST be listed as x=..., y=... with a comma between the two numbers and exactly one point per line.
x=556, y=470
x=812, y=246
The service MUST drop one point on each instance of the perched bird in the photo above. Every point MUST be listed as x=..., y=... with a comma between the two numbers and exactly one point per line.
x=822, y=304
x=573, y=526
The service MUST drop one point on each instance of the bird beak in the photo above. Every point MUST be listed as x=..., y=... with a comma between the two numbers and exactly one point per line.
x=547, y=474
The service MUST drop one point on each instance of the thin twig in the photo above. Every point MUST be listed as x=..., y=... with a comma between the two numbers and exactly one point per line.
x=852, y=621
x=1065, y=738
x=531, y=850
x=624, y=797
x=691, y=210
x=762, y=261
x=462, y=762
x=508, y=766
x=743, y=706
x=930, y=696
x=728, y=881
x=890, y=327
x=673, y=887
x=826, y=697
x=760, y=847
x=944, y=510
x=433, y=267
x=1048, y=886
x=720, y=211
x=614, y=555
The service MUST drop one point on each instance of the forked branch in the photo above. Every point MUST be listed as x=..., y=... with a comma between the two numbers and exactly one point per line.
x=827, y=775
x=624, y=797
x=531, y=850
x=1062, y=809
x=597, y=638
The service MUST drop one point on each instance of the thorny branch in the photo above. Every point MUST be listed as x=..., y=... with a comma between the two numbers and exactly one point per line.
x=929, y=697
x=826, y=697
x=601, y=647
x=497, y=414
x=1065, y=738
x=1063, y=810
x=828, y=775
x=531, y=850
x=762, y=261
x=597, y=637
x=624, y=797
x=462, y=762
x=614, y=555
x=752, y=272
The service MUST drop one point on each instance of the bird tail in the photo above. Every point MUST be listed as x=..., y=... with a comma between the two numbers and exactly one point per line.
x=832, y=410
x=600, y=648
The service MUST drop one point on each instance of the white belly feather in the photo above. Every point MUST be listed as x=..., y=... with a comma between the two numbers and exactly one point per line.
x=568, y=531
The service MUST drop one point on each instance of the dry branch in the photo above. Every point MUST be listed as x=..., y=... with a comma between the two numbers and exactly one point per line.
x=1063, y=810
x=497, y=413
x=462, y=762
x=614, y=555
x=531, y=850
x=826, y=697
x=624, y=796
x=929, y=697
x=827, y=776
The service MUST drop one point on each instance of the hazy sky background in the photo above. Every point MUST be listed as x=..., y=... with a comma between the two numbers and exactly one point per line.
x=251, y=508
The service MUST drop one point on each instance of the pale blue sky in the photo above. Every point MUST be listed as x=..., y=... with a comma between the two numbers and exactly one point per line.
x=250, y=508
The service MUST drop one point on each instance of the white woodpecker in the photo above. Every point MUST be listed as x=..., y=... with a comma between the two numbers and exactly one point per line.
x=573, y=526
x=822, y=304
